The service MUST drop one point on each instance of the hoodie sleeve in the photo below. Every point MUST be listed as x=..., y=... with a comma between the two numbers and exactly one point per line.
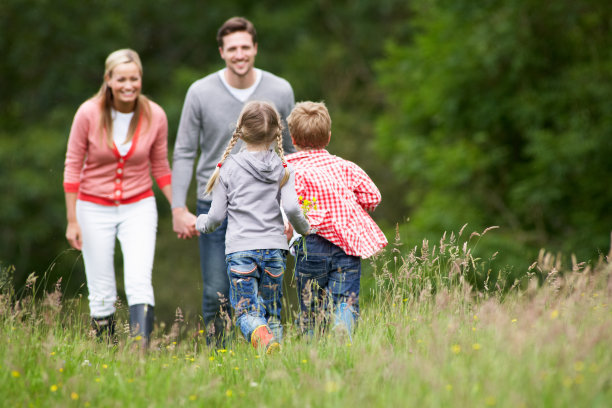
x=291, y=207
x=218, y=208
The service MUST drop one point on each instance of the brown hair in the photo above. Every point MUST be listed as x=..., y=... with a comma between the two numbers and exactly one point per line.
x=258, y=123
x=309, y=125
x=105, y=96
x=234, y=25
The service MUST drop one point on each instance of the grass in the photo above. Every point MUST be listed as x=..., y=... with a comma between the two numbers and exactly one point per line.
x=426, y=337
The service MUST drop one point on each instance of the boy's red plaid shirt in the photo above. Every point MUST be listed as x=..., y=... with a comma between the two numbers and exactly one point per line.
x=344, y=193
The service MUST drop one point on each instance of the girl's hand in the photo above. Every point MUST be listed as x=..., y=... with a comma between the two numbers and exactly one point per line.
x=73, y=235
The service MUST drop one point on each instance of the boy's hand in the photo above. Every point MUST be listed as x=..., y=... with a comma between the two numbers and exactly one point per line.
x=288, y=230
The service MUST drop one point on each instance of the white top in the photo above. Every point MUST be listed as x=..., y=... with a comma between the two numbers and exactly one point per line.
x=121, y=124
x=241, y=94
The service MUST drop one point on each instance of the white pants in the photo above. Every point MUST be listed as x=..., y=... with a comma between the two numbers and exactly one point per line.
x=135, y=225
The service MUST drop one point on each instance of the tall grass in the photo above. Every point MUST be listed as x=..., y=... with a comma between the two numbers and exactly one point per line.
x=428, y=336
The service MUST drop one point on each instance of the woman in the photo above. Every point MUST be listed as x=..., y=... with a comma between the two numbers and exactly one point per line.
x=117, y=141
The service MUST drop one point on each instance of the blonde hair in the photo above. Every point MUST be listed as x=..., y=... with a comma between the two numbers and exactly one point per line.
x=105, y=96
x=310, y=124
x=258, y=123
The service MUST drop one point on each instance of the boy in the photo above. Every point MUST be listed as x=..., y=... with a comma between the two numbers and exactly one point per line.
x=328, y=261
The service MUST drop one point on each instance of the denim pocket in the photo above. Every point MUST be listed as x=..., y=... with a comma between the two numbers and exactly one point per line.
x=310, y=268
x=274, y=267
x=274, y=272
x=245, y=269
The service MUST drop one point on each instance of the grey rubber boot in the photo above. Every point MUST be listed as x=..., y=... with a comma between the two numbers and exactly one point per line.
x=141, y=322
x=104, y=327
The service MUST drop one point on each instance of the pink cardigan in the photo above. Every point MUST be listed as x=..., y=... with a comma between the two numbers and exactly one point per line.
x=100, y=174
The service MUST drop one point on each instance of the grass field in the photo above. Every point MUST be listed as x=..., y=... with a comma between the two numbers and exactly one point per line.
x=426, y=338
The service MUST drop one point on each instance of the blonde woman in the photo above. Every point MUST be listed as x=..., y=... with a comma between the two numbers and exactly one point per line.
x=249, y=188
x=117, y=141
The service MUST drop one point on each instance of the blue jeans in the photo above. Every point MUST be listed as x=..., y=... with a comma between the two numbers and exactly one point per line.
x=327, y=280
x=256, y=289
x=215, y=293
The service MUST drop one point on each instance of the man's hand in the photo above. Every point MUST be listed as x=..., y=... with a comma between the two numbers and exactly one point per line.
x=183, y=223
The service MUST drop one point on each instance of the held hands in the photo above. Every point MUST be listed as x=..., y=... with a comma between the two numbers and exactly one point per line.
x=183, y=223
x=73, y=235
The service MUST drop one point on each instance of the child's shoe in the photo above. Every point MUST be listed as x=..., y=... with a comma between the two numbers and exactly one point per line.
x=344, y=320
x=262, y=337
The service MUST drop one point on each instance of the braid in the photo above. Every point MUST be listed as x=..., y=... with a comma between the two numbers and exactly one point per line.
x=281, y=153
x=215, y=176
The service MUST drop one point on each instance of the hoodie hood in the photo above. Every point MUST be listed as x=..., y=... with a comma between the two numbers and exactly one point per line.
x=264, y=166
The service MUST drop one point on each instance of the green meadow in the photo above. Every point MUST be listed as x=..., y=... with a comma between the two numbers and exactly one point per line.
x=426, y=338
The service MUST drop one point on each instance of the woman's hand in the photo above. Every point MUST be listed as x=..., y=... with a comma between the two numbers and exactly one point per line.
x=73, y=235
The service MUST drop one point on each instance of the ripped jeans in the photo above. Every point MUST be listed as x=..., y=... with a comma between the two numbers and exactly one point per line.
x=256, y=278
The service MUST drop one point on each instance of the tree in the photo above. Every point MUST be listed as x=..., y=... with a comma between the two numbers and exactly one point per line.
x=500, y=113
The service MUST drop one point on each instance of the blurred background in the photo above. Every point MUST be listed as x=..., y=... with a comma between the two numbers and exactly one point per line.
x=488, y=113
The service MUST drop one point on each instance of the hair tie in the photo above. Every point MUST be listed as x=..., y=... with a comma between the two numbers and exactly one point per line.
x=219, y=164
x=284, y=164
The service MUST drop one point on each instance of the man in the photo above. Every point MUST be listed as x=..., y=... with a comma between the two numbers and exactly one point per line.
x=209, y=115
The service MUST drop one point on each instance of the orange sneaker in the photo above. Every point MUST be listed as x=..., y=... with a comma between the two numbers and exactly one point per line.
x=263, y=337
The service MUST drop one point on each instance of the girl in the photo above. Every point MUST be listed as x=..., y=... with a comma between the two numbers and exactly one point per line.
x=249, y=188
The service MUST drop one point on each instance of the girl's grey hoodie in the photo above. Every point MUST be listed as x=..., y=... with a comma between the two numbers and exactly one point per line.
x=248, y=192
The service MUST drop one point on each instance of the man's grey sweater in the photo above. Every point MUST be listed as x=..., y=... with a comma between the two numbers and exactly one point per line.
x=248, y=192
x=207, y=122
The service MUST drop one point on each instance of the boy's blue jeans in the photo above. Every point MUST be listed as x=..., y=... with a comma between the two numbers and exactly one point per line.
x=327, y=279
x=256, y=278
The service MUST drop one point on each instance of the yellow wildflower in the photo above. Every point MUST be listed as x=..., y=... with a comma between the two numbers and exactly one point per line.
x=456, y=349
x=74, y=396
x=331, y=386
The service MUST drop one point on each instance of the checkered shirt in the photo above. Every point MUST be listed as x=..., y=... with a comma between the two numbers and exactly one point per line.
x=344, y=193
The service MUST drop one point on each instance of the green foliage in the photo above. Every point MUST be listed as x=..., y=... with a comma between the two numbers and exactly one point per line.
x=32, y=219
x=500, y=113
